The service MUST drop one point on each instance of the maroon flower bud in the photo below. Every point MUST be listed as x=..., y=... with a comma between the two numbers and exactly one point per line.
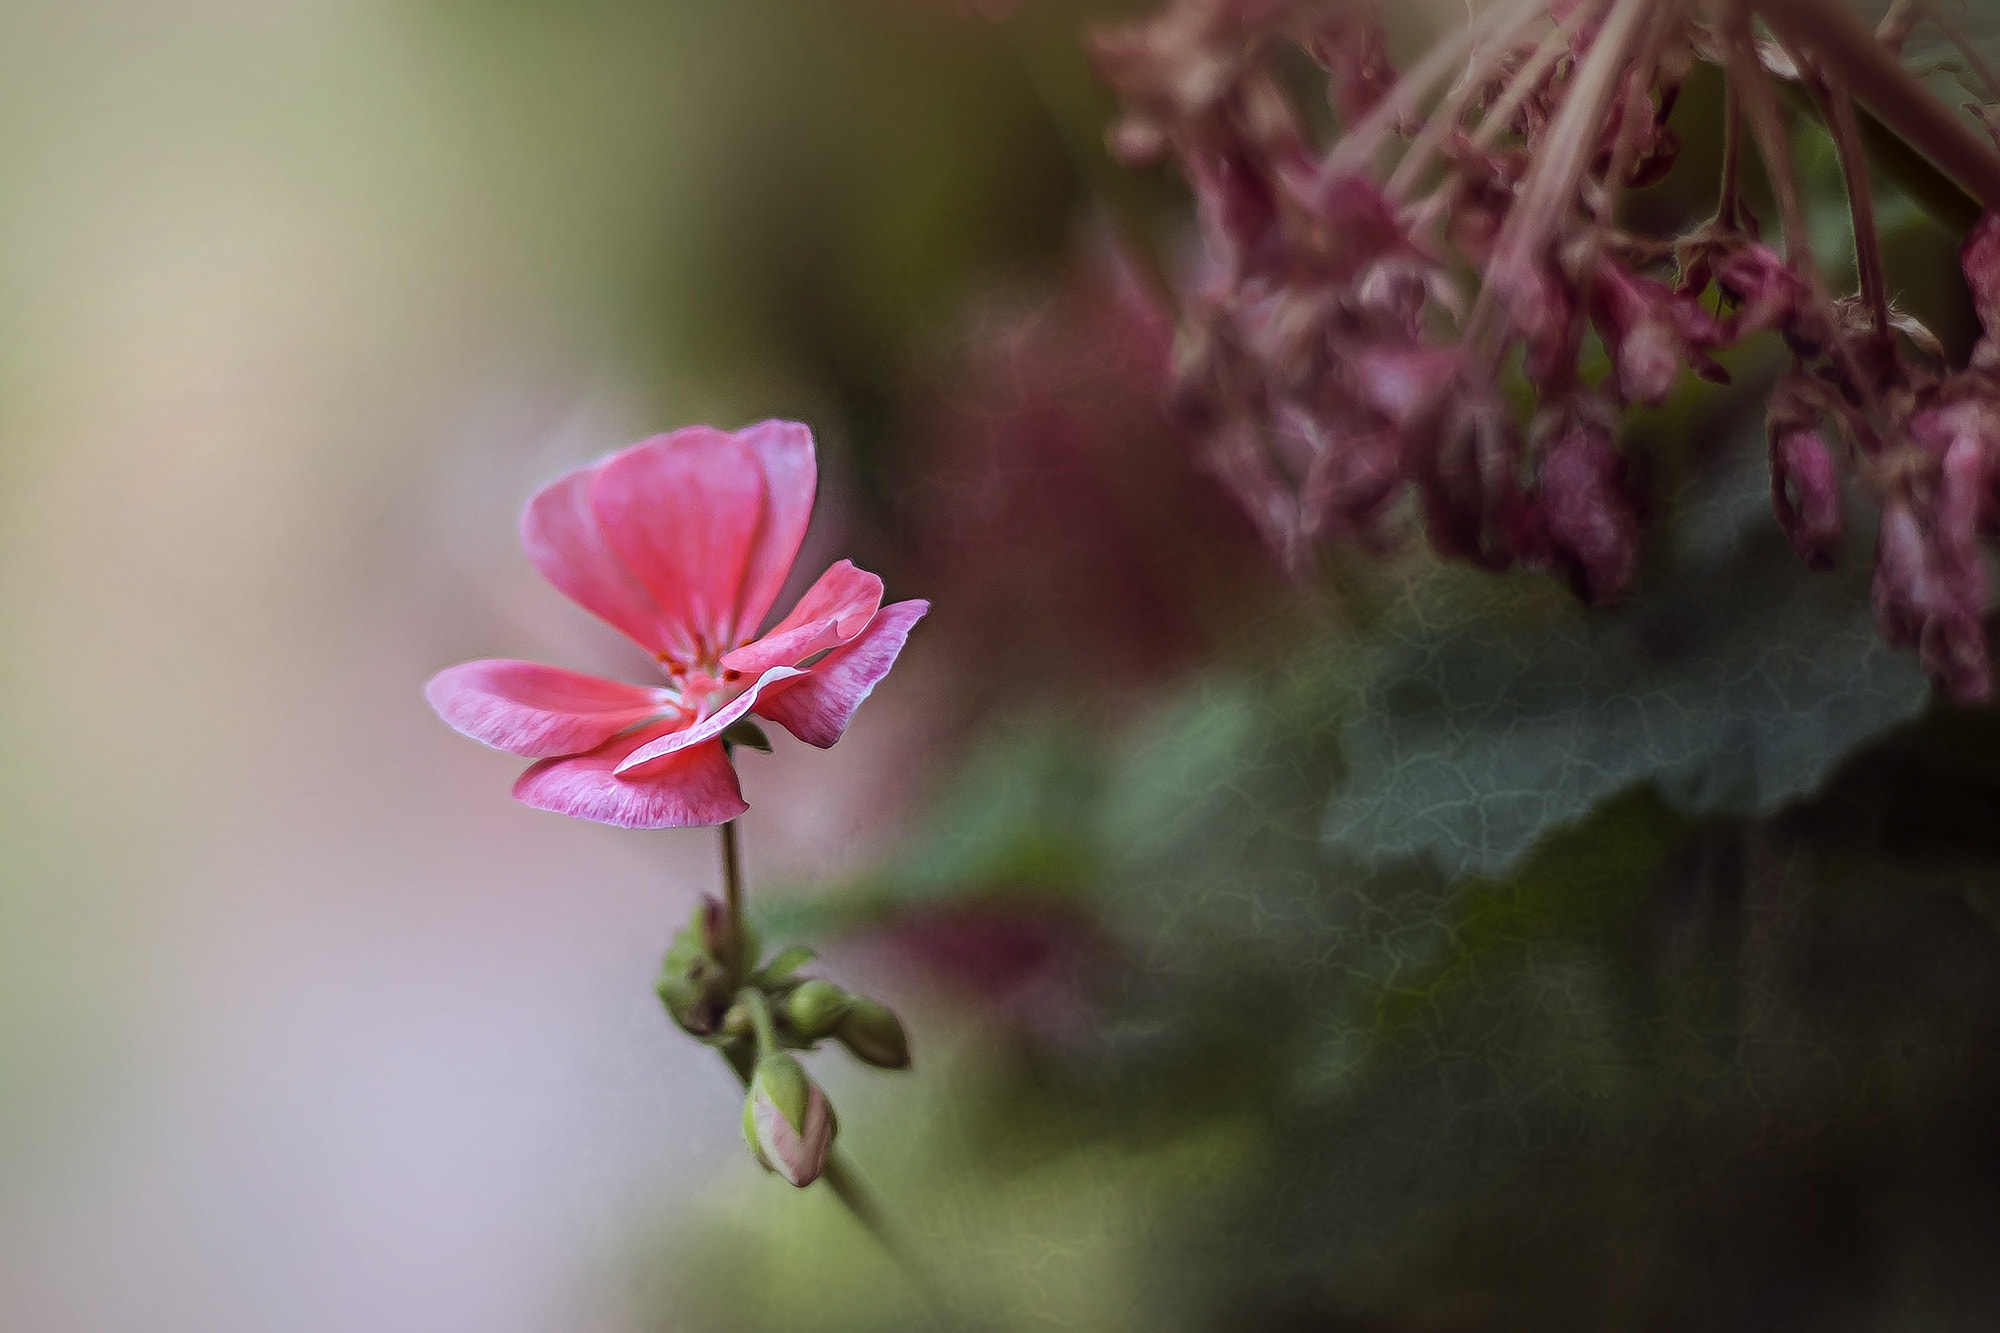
x=1765, y=290
x=1980, y=258
x=1542, y=310
x=1805, y=493
x=1930, y=588
x=1589, y=521
x=1650, y=331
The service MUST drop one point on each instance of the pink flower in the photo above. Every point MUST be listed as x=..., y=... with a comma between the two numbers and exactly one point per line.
x=682, y=543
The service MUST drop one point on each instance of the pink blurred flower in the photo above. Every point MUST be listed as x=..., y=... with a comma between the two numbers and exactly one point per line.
x=682, y=543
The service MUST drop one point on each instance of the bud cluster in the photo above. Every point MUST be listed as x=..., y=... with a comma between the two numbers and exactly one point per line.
x=757, y=1013
x=1367, y=298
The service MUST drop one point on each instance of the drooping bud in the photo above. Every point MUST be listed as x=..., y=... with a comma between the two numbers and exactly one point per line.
x=1768, y=294
x=1805, y=493
x=1980, y=259
x=786, y=1120
x=1650, y=330
x=1590, y=521
x=874, y=1034
x=814, y=1008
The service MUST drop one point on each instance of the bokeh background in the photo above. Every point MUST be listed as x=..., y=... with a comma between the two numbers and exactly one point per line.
x=1403, y=949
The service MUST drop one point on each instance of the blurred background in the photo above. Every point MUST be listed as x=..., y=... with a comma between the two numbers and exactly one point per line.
x=1403, y=949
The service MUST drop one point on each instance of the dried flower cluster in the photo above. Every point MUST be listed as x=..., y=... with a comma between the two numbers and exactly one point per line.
x=1369, y=295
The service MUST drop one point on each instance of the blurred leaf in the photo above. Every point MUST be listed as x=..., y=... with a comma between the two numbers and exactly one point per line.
x=1018, y=818
x=1498, y=709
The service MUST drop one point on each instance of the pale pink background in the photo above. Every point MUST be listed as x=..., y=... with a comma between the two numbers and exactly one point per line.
x=304, y=1026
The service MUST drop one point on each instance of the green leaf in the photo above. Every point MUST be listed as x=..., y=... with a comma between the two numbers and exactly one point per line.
x=1017, y=819
x=1497, y=709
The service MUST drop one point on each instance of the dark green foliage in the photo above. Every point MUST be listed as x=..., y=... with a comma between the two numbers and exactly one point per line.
x=1498, y=708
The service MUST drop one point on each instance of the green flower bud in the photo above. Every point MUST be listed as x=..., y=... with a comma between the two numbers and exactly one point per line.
x=691, y=984
x=710, y=924
x=786, y=1120
x=873, y=1034
x=814, y=1008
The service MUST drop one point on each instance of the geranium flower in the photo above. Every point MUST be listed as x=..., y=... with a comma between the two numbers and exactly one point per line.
x=682, y=543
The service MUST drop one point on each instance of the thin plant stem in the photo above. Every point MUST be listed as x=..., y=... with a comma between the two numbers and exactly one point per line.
x=732, y=898
x=1551, y=183
x=1838, y=108
x=1852, y=58
x=1760, y=108
x=1356, y=148
x=854, y=1195
x=1446, y=116
x=1964, y=45
x=1728, y=208
x=846, y=1185
x=753, y=1000
x=838, y=1173
x=1529, y=77
x=1894, y=29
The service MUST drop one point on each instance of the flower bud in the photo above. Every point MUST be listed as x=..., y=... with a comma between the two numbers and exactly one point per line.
x=1589, y=517
x=874, y=1034
x=1649, y=361
x=786, y=1120
x=684, y=985
x=1805, y=493
x=693, y=983
x=1980, y=260
x=729, y=948
x=814, y=1008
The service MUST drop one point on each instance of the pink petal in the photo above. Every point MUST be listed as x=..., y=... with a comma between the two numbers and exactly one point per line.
x=683, y=512
x=535, y=711
x=711, y=726
x=564, y=540
x=785, y=449
x=816, y=706
x=694, y=788
x=833, y=611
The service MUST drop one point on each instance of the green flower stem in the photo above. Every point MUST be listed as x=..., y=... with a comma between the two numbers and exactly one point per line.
x=840, y=1176
x=753, y=1000
x=732, y=902
x=838, y=1173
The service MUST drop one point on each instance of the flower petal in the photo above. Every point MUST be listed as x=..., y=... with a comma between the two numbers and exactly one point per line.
x=709, y=727
x=817, y=705
x=785, y=450
x=535, y=711
x=683, y=511
x=564, y=540
x=693, y=788
x=833, y=611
